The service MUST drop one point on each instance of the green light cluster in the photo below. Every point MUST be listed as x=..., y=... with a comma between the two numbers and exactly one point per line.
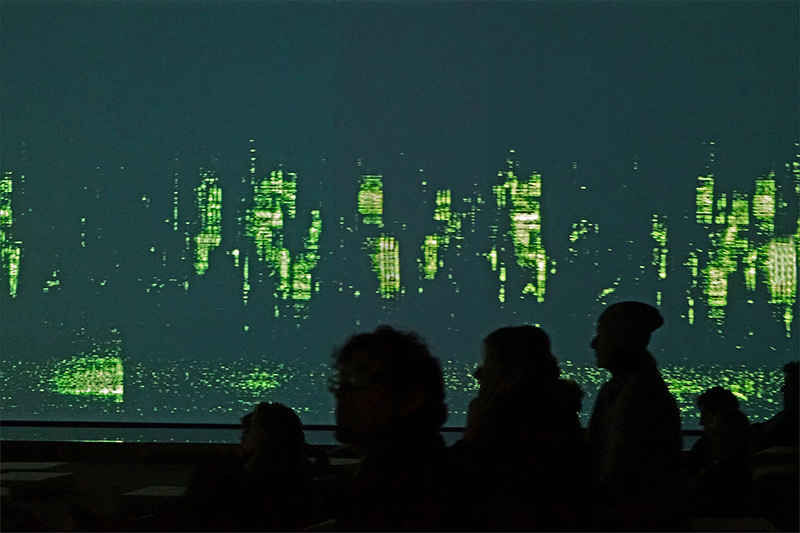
x=258, y=381
x=764, y=204
x=10, y=250
x=522, y=199
x=581, y=230
x=444, y=202
x=608, y=290
x=208, y=197
x=370, y=199
x=90, y=375
x=451, y=221
x=660, y=251
x=692, y=264
x=430, y=256
x=275, y=201
x=782, y=276
x=384, y=251
x=705, y=199
x=743, y=238
x=52, y=283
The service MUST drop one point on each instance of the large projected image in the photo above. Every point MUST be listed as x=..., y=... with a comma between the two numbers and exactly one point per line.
x=200, y=201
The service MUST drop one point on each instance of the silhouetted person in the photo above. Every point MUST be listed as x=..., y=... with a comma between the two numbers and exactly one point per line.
x=723, y=486
x=775, y=481
x=782, y=429
x=523, y=447
x=634, y=432
x=264, y=488
x=390, y=406
x=709, y=403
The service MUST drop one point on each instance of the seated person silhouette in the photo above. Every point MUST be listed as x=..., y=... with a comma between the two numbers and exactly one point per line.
x=264, y=488
x=522, y=450
x=783, y=429
x=390, y=406
x=634, y=432
x=723, y=486
x=709, y=403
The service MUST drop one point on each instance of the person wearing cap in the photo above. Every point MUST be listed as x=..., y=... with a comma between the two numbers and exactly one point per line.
x=634, y=432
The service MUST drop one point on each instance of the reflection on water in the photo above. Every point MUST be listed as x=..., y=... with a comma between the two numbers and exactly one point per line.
x=192, y=391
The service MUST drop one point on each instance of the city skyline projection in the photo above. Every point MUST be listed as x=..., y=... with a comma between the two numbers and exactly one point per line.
x=742, y=239
x=200, y=200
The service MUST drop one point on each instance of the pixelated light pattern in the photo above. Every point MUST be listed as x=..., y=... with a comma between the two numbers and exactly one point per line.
x=370, y=199
x=95, y=373
x=705, y=199
x=53, y=283
x=522, y=199
x=10, y=250
x=435, y=244
x=607, y=291
x=175, y=204
x=430, y=256
x=782, y=276
x=742, y=238
x=764, y=204
x=384, y=251
x=580, y=231
x=660, y=251
x=274, y=203
x=208, y=198
x=255, y=382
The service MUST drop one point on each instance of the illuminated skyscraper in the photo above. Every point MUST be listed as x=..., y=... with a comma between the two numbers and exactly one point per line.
x=10, y=250
x=660, y=251
x=764, y=205
x=522, y=199
x=370, y=199
x=274, y=203
x=208, y=197
x=705, y=199
x=435, y=244
x=385, y=255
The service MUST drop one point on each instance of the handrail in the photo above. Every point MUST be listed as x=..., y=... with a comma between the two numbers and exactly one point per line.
x=193, y=425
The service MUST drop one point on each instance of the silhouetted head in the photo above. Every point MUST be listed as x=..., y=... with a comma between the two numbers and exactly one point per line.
x=790, y=386
x=729, y=432
x=386, y=382
x=713, y=401
x=516, y=354
x=623, y=331
x=274, y=425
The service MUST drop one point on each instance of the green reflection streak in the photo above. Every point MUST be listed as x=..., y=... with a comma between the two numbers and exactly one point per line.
x=208, y=197
x=83, y=375
x=10, y=250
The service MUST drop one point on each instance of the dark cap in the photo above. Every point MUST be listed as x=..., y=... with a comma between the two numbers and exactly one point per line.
x=633, y=316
